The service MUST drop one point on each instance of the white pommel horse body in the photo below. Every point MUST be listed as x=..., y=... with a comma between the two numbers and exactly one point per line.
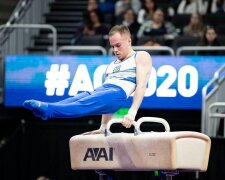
x=141, y=151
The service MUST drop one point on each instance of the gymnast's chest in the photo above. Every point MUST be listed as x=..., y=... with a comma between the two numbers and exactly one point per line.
x=122, y=67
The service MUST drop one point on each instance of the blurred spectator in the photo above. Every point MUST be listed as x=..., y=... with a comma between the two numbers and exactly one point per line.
x=107, y=10
x=195, y=27
x=130, y=20
x=172, y=7
x=121, y=6
x=191, y=6
x=147, y=11
x=158, y=27
x=187, y=7
x=42, y=178
x=93, y=25
x=136, y=5
x=106, y=6
x=203, y=6
x=217, y=6
x=92, y=5
x=209, y=38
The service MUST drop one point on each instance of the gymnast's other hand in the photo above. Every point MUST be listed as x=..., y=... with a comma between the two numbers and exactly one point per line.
x=127, y=120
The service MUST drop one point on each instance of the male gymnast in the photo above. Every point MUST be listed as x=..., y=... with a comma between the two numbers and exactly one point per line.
x=127, y=74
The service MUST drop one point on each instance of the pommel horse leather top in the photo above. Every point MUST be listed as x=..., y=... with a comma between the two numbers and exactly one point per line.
x=140, y=151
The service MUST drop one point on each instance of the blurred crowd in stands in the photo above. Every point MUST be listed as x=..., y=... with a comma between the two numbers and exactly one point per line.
x=159, y=22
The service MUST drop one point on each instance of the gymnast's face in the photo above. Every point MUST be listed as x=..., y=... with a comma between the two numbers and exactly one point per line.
x=121, y=44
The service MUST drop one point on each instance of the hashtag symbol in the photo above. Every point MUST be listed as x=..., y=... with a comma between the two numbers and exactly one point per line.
x=57, y=79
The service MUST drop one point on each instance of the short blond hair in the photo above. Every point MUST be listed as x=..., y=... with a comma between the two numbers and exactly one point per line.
x=122, y=29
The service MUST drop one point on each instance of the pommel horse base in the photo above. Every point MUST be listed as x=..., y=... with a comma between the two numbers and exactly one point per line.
x=167, y=151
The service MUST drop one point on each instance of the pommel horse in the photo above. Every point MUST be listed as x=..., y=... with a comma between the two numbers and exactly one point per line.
x=167, y=151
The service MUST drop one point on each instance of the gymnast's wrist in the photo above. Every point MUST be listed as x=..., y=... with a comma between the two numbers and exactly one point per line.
x=102, y=128
x=132, y=112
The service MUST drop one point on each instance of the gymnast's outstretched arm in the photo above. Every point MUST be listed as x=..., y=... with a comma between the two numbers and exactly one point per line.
x=143, y=69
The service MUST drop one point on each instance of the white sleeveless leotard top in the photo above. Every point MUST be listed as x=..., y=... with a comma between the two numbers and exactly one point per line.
x=123, y=74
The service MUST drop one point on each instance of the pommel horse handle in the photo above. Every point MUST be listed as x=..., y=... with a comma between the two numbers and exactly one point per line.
x=137, y=124
x=151, y=119
x=113, y=121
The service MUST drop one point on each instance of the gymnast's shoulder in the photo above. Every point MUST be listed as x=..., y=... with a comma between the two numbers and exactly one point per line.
x=143, y=55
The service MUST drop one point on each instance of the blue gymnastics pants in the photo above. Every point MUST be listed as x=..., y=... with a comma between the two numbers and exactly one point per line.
x=103, y=100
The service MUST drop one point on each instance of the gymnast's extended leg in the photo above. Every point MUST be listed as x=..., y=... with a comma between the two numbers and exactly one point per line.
x=32, y=104
x=103, y=100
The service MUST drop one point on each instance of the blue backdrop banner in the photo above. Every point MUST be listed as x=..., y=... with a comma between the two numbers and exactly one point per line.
x=175, y=82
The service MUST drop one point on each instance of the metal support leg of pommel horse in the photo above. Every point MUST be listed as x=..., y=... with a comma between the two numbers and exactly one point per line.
x=104, y=175
x=170, y=174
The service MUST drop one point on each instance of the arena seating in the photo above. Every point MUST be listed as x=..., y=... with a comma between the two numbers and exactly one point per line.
x=66, y=16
